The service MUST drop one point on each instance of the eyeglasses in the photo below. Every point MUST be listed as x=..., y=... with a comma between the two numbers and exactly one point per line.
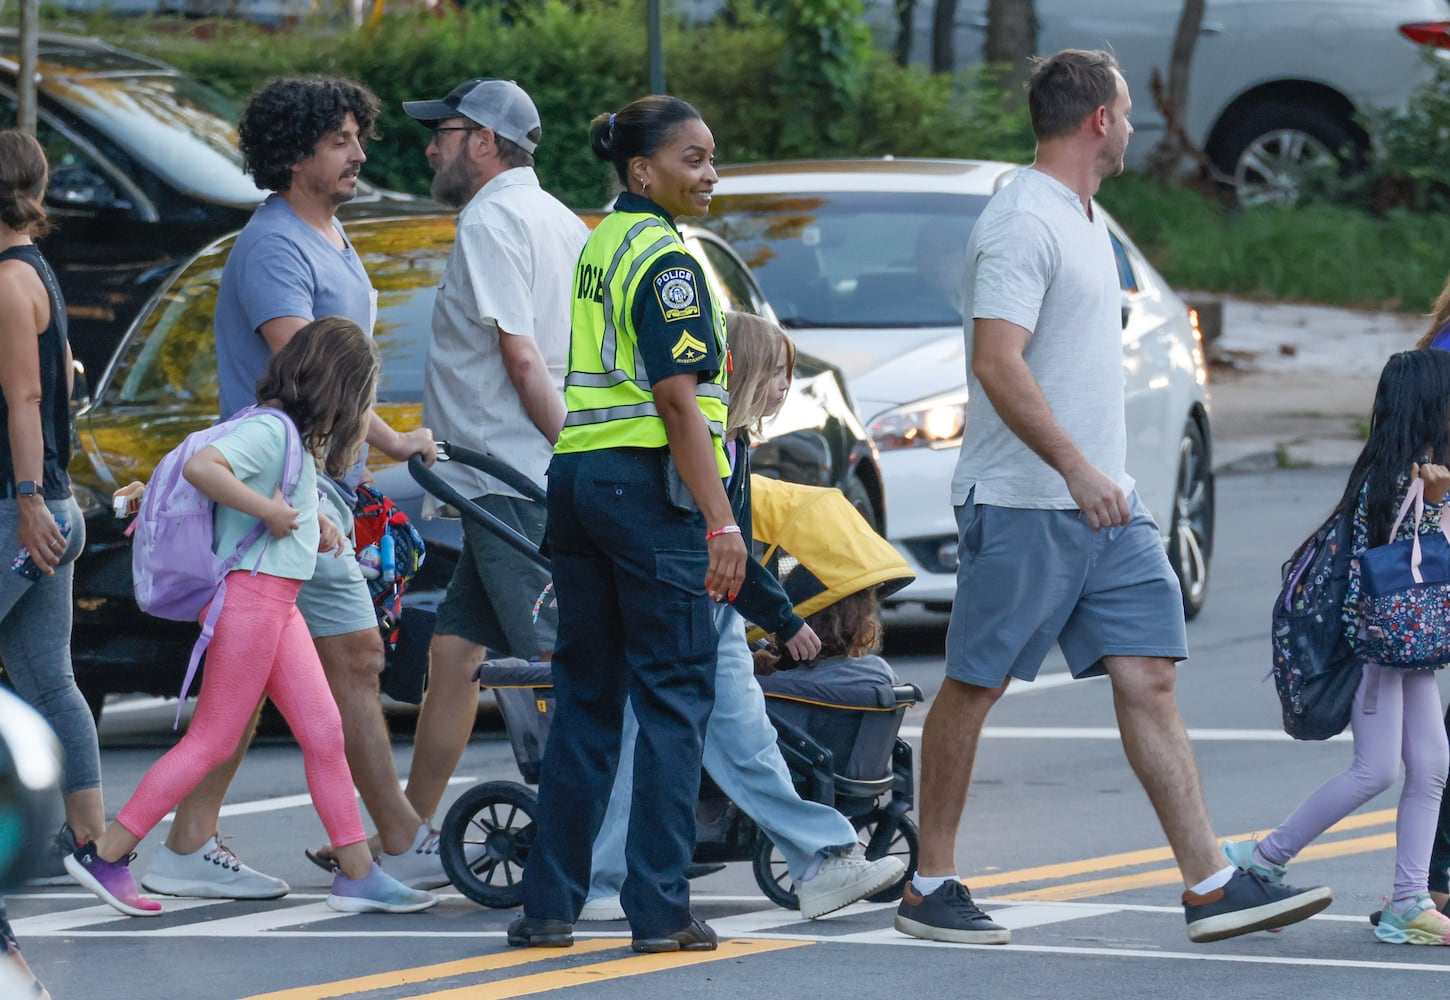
x=438, y=132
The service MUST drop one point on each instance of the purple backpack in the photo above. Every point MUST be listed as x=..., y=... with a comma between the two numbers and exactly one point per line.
x=174, y=571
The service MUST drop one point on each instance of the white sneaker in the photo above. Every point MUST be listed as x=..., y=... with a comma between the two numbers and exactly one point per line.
x=420, y=866
x=212, y=872
x=844, y=878
x=602, y=908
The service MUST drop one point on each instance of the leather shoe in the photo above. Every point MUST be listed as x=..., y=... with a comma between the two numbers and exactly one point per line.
x=540, y=932
x=695, y=936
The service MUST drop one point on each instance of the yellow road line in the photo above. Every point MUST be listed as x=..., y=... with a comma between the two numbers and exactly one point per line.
x=424, y=973
x=1168, y=876
x=586, y=975
x=1108, y=862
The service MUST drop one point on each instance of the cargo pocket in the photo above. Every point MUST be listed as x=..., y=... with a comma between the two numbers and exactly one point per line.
x=682, y=572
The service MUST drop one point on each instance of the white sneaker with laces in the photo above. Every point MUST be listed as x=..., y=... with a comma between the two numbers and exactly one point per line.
x=211, y=872
x=603, y=908
x=420, y=866
x=843, y=878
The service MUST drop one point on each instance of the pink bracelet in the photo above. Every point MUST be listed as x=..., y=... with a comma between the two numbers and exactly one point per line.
x=729, y=529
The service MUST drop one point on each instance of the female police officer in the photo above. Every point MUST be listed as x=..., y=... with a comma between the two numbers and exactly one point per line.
x=641, y=536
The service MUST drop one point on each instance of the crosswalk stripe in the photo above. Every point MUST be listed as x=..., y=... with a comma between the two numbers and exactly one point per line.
x=588, y=975
x=51, y=924
x=428, y=973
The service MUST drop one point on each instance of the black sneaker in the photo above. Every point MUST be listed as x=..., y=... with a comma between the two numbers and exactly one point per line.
x=696, y=936
x=947, y=914
x=1249, y=902
x=541, y=932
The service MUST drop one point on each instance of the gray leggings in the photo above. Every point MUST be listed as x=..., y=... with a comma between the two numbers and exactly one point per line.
x=35, y=624
x=1396, y=718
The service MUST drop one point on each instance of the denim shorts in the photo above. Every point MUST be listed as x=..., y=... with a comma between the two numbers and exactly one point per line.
x=336, y=600
x=1028, y=578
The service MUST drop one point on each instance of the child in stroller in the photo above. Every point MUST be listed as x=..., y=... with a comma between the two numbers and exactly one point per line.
x=492, y=822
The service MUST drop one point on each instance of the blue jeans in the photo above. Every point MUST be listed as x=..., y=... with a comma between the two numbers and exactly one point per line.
x=742, y=758
x=634, y=626
x=35, y=624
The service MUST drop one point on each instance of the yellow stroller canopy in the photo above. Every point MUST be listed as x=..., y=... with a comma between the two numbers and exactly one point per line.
x=827, y=549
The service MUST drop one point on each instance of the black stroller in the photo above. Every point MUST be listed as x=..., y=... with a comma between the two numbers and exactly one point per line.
x=840, y=744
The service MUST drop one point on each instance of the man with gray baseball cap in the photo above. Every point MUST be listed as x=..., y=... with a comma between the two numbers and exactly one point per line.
x=500, y=105
x=493, y=381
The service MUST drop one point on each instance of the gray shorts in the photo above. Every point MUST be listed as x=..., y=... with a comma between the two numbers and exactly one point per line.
x=1028, y=578
x=491, y=598
x=336, y=600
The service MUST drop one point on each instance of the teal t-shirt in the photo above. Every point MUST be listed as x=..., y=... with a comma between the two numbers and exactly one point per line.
x=257, y=452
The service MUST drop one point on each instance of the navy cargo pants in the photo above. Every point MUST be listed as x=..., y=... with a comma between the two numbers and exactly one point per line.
x=634, y=623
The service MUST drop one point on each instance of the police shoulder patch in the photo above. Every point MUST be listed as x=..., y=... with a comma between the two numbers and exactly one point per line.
x=675, y=289
x=688, y=349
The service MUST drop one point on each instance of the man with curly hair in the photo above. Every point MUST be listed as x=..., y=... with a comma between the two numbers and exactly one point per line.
x=302, y=139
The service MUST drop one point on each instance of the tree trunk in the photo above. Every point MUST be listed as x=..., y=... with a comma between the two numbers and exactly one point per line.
x=1011, y=40
x=1166, y=161
x=905, y=17
x=943, y=37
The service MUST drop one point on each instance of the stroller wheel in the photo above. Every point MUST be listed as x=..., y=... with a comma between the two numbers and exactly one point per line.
x=493, y=825
x=772, y=874
x=879, y=837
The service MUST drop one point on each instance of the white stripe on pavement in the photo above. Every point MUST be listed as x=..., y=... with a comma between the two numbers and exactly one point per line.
x=1111, y=733
x=291, y=802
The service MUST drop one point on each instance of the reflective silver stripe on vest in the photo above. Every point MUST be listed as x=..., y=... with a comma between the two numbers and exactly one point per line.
x=608, y=344
x=581, y=418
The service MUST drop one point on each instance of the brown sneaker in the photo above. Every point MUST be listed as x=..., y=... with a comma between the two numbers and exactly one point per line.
x=697, y=936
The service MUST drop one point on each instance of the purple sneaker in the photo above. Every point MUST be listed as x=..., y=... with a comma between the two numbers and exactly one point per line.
x=377, y=892
x=111, y=880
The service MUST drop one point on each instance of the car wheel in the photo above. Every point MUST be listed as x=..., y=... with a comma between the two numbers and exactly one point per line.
x=1275, y=151
x=860, y=498
x=1190, y=537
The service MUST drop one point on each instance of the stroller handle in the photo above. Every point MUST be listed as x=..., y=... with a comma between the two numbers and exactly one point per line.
x=434, y=484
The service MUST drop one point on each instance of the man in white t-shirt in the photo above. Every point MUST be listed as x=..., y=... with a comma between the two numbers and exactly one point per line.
x=1054, y=544
x=494, y=382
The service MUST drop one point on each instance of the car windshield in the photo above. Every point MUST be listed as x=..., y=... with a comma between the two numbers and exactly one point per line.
x=854, y=259
x=171, y=359
x=182, y=130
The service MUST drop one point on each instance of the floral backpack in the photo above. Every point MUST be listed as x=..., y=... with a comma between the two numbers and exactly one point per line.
x=390, y=551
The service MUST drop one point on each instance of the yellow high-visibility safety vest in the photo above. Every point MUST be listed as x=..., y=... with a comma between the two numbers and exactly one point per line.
x=607, y=395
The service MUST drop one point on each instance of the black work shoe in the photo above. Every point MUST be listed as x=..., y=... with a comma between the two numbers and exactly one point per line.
x=1249, y=902
x=697, y=936
x=541, y=932
x=947, y=914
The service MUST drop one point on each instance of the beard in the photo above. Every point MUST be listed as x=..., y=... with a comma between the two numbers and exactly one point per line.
x=452, y=184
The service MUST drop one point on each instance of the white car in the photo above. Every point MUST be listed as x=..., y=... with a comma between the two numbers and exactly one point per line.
x=862, y=260
x=1275, y=87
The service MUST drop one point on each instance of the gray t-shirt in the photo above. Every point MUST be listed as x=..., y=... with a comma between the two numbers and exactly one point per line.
x=1035, y=259
x=280, y=266
x=511, y=270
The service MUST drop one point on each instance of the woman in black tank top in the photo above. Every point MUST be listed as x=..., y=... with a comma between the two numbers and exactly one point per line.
x=41, y=527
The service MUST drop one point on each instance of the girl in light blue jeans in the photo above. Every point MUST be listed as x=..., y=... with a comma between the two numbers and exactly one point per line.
x=818, y=843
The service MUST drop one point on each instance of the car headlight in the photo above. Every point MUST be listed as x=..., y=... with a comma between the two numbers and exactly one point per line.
x=934, y=422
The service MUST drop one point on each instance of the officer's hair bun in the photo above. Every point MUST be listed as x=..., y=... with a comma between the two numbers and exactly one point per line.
x=601, y=136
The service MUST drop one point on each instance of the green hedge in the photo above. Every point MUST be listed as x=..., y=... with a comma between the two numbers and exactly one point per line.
x=577, y=60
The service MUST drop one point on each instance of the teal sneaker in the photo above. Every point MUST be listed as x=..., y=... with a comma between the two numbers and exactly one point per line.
x=1419, y=923
x=1240, y=854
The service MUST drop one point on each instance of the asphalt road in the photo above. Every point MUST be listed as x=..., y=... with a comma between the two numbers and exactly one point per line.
x=1058, y=843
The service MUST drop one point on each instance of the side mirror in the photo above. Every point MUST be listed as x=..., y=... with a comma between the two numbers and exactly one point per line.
x=1127, y=312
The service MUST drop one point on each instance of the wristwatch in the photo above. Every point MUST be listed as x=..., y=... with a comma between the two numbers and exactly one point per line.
x=27, y=488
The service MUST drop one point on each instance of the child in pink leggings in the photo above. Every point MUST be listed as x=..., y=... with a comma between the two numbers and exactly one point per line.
x=324, y=380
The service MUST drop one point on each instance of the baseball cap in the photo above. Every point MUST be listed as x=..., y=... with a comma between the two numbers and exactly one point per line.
x=500, y=105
